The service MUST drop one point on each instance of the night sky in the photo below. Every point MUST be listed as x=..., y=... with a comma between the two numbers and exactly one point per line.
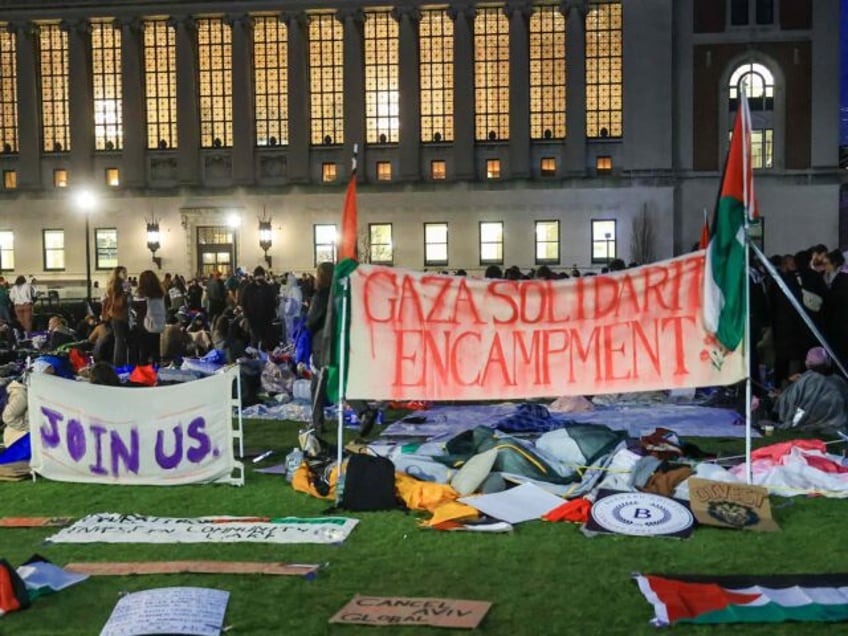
x=844, y=57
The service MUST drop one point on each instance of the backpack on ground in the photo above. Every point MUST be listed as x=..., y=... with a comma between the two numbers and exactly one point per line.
x=369, y=484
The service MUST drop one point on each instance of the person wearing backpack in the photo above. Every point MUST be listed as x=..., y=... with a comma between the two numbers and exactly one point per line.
x=153, y=323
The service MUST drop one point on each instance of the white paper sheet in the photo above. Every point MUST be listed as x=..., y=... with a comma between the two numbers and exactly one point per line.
x=523, y=503
x=194, y=611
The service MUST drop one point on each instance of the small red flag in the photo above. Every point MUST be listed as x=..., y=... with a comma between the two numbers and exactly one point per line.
x=347, y=241
x=705, y=233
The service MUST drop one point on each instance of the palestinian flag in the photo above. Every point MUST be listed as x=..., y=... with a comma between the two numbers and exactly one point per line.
x=13, y=593
x=725, y=276
x=746, y=599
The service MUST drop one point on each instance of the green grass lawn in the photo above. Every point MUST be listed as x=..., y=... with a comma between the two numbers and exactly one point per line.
x=543, y=578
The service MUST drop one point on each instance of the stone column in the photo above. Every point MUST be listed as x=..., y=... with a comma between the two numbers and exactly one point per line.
x=29, y=118
x=298, y=100
x=134, y=171
x=244, y=124
x=463, y=94
x=188, y=115
x=354, y=85
x=575, y=86
x=410, y=93
x=519, y=88
x=80, y=101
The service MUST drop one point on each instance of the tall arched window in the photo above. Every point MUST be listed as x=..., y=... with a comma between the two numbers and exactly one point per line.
x=758, y=83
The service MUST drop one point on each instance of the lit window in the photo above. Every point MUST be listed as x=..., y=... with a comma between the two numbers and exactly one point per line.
x=54, y=249
x=435, y=40
x=8, y=93
x=215, y=79
x=493, y=168
x=270, y=63
x=603, y=70
x=603, y=164
x=603, y=241
x=384, y=171
x=547, y=73
x=548, y=166
x=381, y=78
x=491, y=74
x=328, y=172
x=758, y=83
x=106, y=85
x=491, y=243
x=106, y=248
x=438, y=170
x=113, y=177
x=53, y=51
x=435, y=244
x=7, y=250
x=324, y=243
x=547, y=242
x=10, y=179
x=160, y=84
x=60, y=178
x=326, y=79
x=380, y=249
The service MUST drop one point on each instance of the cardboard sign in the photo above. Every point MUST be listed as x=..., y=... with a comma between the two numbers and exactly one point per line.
x=739, y=506
x=421, y=336
x=34, y=522
x=395, y=611
x=194, y=567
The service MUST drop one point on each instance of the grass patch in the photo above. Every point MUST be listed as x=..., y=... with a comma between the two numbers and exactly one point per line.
x=542, y=578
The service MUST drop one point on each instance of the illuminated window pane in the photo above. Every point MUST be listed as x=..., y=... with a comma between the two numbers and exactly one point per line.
x=53, y=51
x=381, y=78
x=547, y=242
x=324, y=243
x=548, y=167
x=435, y=244
x=113, y=177
x=491, y=243
x=547, y=73
x=54, y=249
x=493, y=168
x=603, y=164
x=328, y=172
x=270, y=64
x=491, y=74
x=160, y=84
x=603, y=241
x=381, y=251
x=60, y=178
x=106, y=248
x=8, y=92
x=326, y=79
x=437, y=170
x=758, y=83
x=10, y=179
x=384, y=171
x=604, y=70
x=435, y=41
x=106, y=85
x=7, y=250
x=215, y=79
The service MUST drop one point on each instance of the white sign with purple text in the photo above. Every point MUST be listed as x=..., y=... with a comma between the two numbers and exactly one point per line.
x=160, y=436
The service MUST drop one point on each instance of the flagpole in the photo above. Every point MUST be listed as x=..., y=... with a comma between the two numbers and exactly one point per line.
x=746, y=197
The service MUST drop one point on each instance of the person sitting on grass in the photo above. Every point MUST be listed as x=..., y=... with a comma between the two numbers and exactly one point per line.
x=59, y=333
x=103, y=373
x=15, y=417
x=816, y=400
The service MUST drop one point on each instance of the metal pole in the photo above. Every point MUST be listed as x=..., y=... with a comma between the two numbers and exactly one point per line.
x=748, y=204
x=87, y=259
x=342, y=361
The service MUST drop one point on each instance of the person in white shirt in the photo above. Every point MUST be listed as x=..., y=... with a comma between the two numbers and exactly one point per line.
x=22, y=296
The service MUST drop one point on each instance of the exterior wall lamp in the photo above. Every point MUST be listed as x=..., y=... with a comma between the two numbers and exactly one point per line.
x=265, y=238
x=153, y=243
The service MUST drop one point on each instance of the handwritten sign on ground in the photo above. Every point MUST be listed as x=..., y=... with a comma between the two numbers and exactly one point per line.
x=113, y=527
x=422, y=336
x=727, y=505
x=157, y=436
x=195, y=611
x=396, y=611
x=109, y=568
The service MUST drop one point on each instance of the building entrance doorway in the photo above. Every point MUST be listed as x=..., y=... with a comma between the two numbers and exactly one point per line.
x=216, y=249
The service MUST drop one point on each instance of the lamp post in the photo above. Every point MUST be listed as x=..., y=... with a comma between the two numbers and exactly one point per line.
x=153, y=243
x=265, y=238
x=86, y=201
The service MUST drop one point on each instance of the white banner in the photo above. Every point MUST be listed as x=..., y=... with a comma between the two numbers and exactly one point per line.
x=160, y=436
x=111, y=527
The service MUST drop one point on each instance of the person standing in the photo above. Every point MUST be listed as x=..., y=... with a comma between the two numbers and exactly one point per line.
x=836, y=305
x=259, y=303
x=5, y=303
x=316, y=317
x=155, y=314
x=116, y=311
x=216, y=294
x=22, y=296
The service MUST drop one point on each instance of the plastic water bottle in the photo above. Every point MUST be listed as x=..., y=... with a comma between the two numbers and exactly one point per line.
x=293, y=461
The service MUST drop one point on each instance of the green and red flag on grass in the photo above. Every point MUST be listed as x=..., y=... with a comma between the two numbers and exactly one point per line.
x=725, y=276
x=746, y=599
